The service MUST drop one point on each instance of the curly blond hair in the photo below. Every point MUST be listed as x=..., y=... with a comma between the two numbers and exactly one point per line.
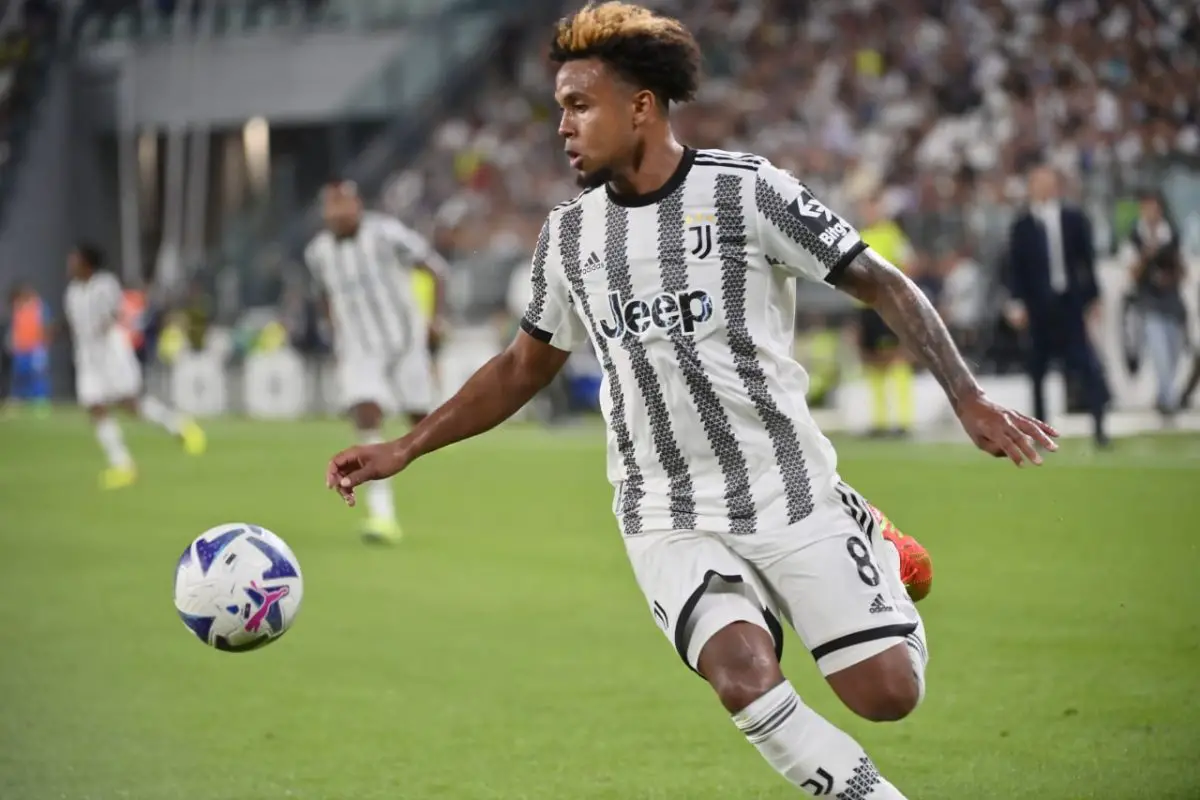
x=646, y=49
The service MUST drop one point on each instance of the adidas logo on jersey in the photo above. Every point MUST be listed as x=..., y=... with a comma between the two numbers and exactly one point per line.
x=879, y=606
x=683, y=310
x=592, y=264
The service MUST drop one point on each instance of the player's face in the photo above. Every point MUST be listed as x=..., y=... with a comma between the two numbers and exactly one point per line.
x=600, y=120
x=1043, y=185
x=76, y=267
x=341, y=211
x=1151, y=212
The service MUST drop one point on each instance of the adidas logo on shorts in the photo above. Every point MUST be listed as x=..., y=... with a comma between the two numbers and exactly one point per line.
x=879, y=606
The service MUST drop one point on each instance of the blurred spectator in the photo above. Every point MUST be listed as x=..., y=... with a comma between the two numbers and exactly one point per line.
x=29, y=341
x=1156, y=273
x=196, y=313
x=1052, y=280
x=963, y=299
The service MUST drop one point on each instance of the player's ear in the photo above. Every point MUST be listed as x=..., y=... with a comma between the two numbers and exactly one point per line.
x=645, y=106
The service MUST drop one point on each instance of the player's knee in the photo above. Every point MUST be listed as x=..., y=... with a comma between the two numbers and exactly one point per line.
x=739, y=662
x=883, y=688
x=367, y=416
x=893, y=699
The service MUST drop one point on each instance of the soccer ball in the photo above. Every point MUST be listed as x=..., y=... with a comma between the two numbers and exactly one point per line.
x=238, y=587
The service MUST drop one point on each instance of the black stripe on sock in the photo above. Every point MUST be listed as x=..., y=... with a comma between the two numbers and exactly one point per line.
x=775, y=720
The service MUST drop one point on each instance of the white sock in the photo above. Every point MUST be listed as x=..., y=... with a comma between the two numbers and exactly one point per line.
x=108, y=432
x=808, y=751
x=918, y=646
x=381, y=504
x=154, y=410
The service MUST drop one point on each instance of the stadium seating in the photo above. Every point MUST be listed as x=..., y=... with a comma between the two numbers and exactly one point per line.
x=935, y=108
x=27, y=39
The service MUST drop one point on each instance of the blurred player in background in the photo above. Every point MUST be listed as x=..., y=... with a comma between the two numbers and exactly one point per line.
x=29, y=343
x=107, y=372
x=888, y=369
x=363, y=262
x=679, y=266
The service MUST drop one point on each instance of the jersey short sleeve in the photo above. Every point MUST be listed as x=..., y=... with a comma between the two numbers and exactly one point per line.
x=550, y=316
x=412, y=248
x=107, y=293
x=798, y=232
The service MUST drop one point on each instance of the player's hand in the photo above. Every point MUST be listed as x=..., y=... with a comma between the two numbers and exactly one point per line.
x=1004, y=432
x=1017, y=316
x=362, y=463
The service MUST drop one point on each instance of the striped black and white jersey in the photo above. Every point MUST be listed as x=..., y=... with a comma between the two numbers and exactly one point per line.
x=368, y=280
x=688, y=296
x=93, y=306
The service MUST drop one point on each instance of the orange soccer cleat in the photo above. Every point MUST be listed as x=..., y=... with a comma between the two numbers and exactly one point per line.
x=916, y=568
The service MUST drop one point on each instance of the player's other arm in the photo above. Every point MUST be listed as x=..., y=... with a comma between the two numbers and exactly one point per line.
x=416, y=250
x=550, y=330
x=804, y=237
x=312, y=262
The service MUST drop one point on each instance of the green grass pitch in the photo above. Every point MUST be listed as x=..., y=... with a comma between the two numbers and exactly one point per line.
x=504, y=651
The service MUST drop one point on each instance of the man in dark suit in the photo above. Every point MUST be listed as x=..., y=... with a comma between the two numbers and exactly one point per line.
x=1052, y=281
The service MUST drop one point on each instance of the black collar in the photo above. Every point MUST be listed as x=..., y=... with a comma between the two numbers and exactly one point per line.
x=661, y=193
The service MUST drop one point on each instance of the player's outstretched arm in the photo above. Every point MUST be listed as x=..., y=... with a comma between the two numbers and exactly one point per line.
x=499, y=389
x=915, y=321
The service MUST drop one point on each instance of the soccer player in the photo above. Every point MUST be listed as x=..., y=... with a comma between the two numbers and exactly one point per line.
x=107, y=372
x=679, y=265
x=363, y=263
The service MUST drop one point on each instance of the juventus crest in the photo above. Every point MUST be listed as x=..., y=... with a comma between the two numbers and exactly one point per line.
x=700, y=234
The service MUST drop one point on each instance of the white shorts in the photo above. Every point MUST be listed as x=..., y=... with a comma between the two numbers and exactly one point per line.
x=821, y=575
x=107, y=375
x=400, y=383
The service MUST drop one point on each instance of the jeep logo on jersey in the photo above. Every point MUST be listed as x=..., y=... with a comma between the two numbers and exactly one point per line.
x=818, y=219
x=683, y=310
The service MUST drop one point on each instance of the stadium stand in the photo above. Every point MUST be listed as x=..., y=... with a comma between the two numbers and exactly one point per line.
x=27, y=38
x=935, y=107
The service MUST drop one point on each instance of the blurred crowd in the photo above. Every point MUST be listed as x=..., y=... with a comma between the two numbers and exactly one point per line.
x=27, y=32
x=933, y=108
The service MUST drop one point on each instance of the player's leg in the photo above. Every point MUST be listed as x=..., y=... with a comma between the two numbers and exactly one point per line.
x=125, y=380
x=31, y=380
x=367, y=395
x=839, y=581
x=900, y=378
x=170, y=419
x=39, y=388
x=121, y=471
x=414, y=383
x=715, y=611
x=21, y=372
